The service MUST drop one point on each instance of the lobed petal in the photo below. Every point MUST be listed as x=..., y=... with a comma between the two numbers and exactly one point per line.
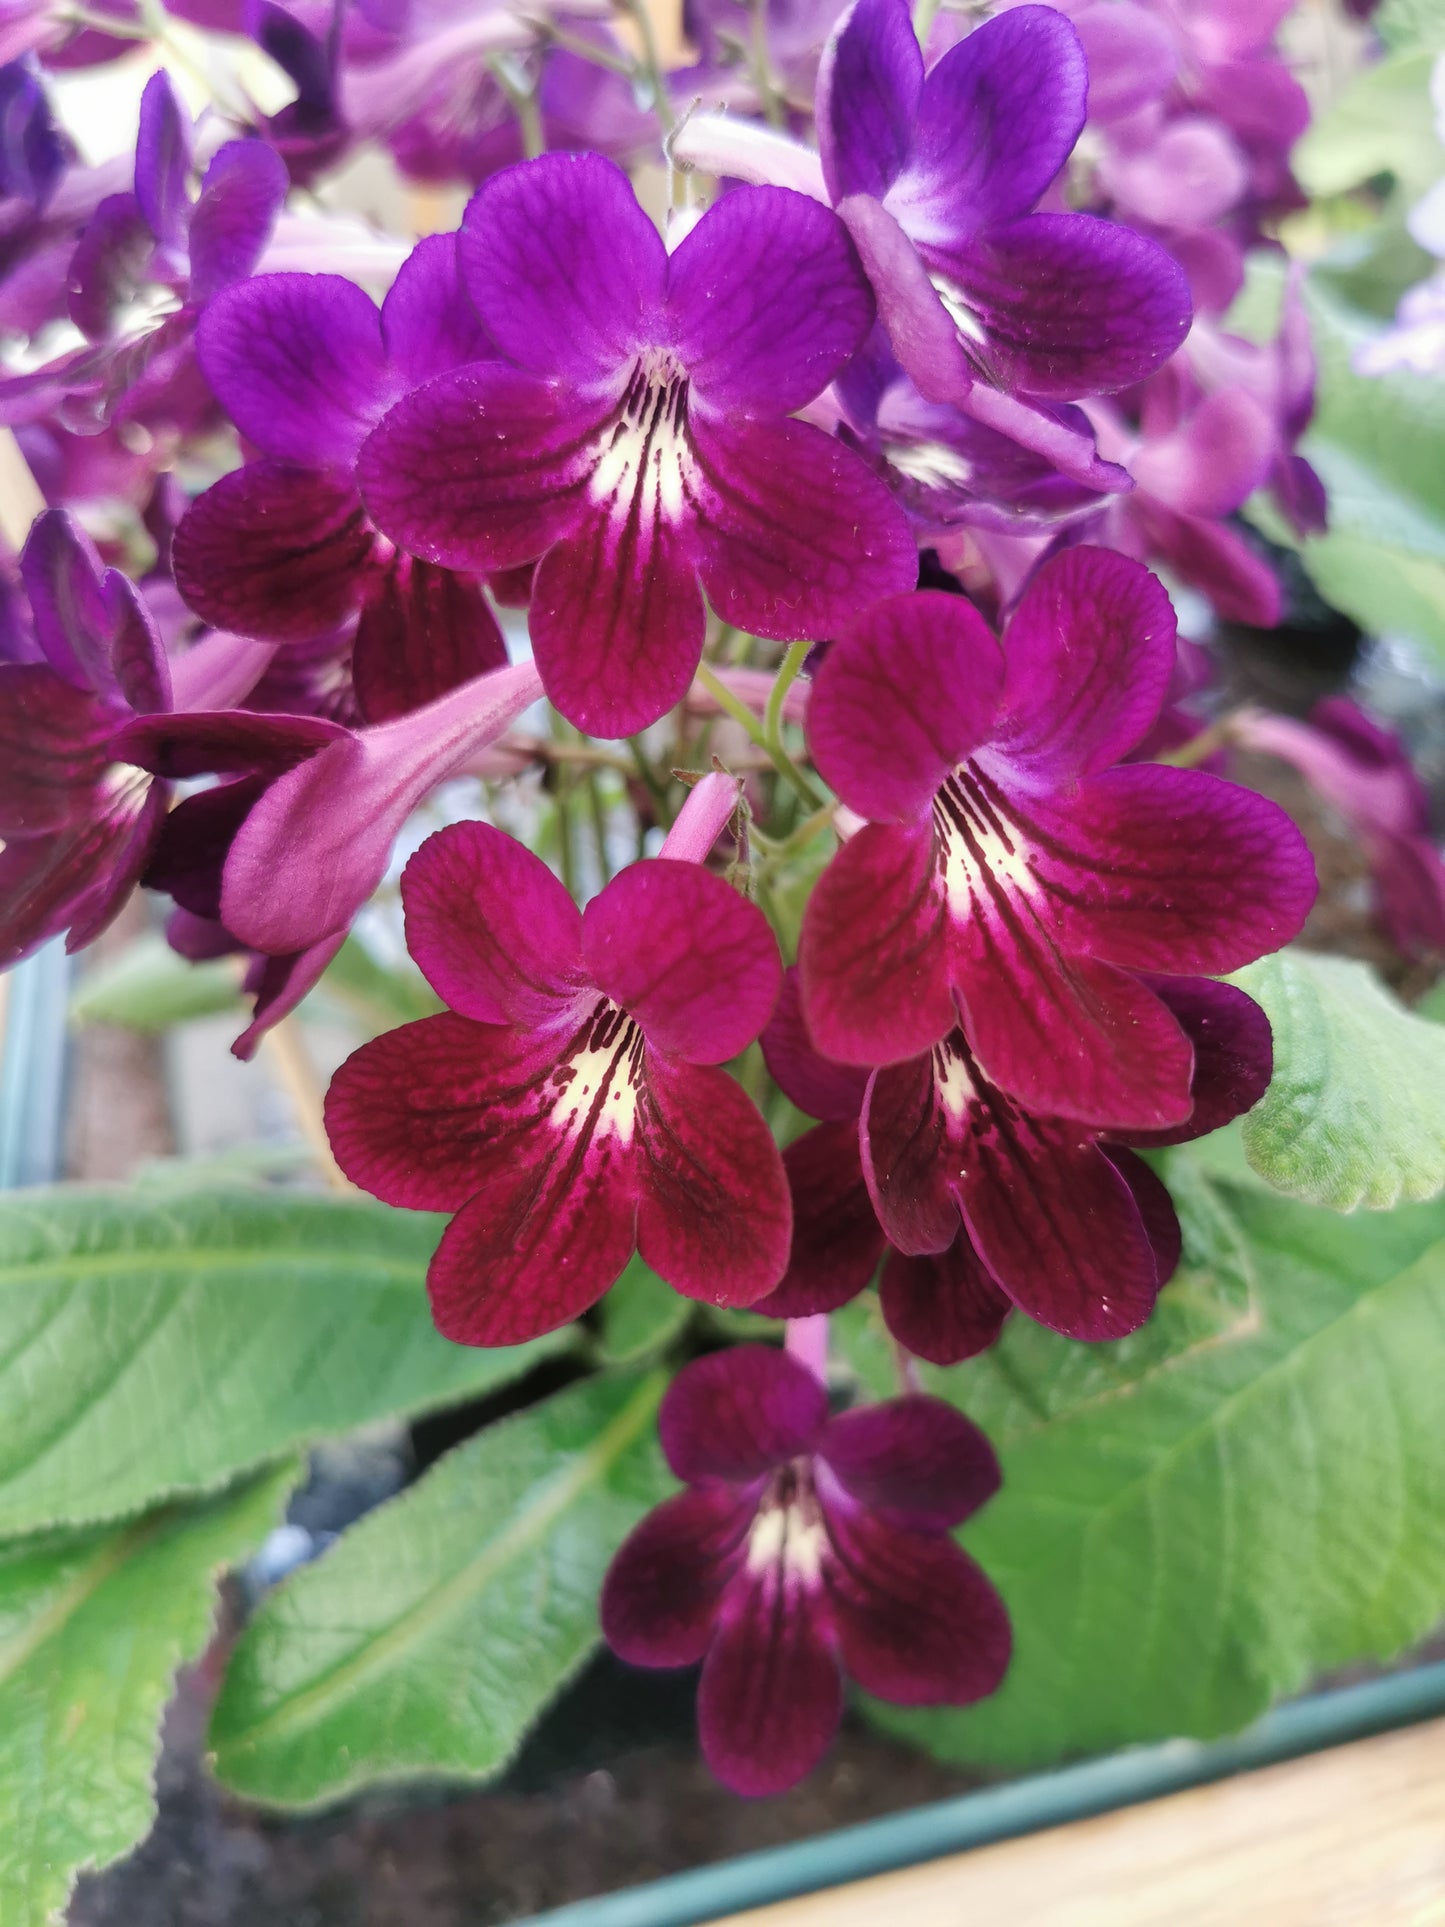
x=684, y=954
x=163, y=162
x=1090, y=653
x=1155, y=1208
x=566, y=271
x=770, y=1697
x=917, y=1621
x=767, y=300
x=54, y=747
x=806, y=1078
x=731, y=1416
x=482, y=469
x=943, y=1306
x=869, y=84
x=423, y=631
x=916, y=1460
x=837, y=1240
x=296, y=361
x=908, y=693
x=921, y=332
x=663, y=1590
x=1233, y=1053
x=428, y=323
x=714, y=1215
x=873, y=956
x=795, y=533
x=493, y=931
x=274, y=551
x=997, y=121
x=243, y=191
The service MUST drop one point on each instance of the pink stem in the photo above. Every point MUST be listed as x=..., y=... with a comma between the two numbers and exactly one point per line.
x=807, y=1341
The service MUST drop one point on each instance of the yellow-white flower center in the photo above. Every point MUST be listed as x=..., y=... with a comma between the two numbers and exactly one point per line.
x=596, y=1088
x=645, y=467
x=983, y=854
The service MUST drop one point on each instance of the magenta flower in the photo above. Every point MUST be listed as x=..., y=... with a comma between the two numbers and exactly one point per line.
x=1009, y=878
x=978, y=1205
x=306, y=366
x=88, y=740
x=984, y=300
x=567, y=1106
x=636, y=439
x=806, y=1548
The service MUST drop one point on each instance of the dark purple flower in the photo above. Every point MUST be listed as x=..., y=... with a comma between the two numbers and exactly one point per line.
x=985, y=1205
x=305, y=366
x=86, y=735
x=936, y=176
x=567, y=1105
x=1008, y=876
x=636, y=440
x=806, y=1548
x=32, y=152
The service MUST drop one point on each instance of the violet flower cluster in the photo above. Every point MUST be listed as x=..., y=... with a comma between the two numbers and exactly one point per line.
x=829, y=497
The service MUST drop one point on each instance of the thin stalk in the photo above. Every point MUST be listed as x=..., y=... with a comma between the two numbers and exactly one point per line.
x=652, y=782
x=1200, y=748
x=525, y=106
x=591, y=782
x=766, y=81
x=741, y=714
x=787, y=675
x=640, y=14
x=291, y=1060
x=589, y=50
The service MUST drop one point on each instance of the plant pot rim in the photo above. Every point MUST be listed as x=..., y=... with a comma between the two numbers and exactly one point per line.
x=1027, y=1805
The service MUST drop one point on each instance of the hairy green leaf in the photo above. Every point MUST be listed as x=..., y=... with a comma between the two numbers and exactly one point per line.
x=92, y=1629
x=1200, y=1518
x=640, y=1315
x=149, y=987
x=428, y=1639
x=162, y=1342
x=1355, y=1111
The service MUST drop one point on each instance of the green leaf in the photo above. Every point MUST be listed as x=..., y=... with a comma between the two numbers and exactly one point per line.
x=1355, y=1111
x=1383, y=123
x=1403, y=24
x=640, y=1315
x=431, y=1635
x=149, y=987
x=92, y=1629
x=1200, y=1518
x=159, y=1343
x=378, y=997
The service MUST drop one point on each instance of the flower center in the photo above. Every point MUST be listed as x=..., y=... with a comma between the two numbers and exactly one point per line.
x=644, y=470
x=789, y=1532
x=124, y=788
x=983, y=855
x=595, y=1087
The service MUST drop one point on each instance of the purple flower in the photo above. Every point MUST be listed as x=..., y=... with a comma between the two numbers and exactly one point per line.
x=984, y=301
x=806, y=1548
x=1008, y=877
x=567, y=1105
x=305, y=366
x=978, y=1204
x=33, y=153
x=86, y=734
x=635, y=440
x=1365, y=772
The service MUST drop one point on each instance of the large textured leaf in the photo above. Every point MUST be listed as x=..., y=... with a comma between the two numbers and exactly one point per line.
x=1355, y=1112
x=148, y=987
x=92, y=1629
x=158, y=1344
x=1383, y=123
x=430, y=1637
x=1198, y=1519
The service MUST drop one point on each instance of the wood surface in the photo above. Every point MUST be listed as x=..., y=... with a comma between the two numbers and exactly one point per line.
x=1353, y=1837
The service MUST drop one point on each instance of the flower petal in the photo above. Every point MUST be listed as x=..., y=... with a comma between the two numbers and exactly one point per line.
x=770, y=1697
x=1130, y=837
x=493, y=931
x=423, y=631
x=944, y=1306
x=997, y=121
x=78, y=877
x=806, y=1078
x=920, y=329
x=53, y=749
x=1155, y=1208
x=714, y=1216
x=243, y=191
x=163, y=162
x=902, y=699
x=296, y=361
x=734, y=1415
x=274, y=551
x=428, y=323
x=617, y=618
x=837, y=1240
x=869, y=85
x=1090, y=653
x=918, y=1623
x=1233, y=1053
x=795, y=532
x=873, y=957
x=662, y=1592
x=1068, y=305
x=768, y=301
x=482, y=469
x=683, y=953
x=565, y=269
x=917, y=1460
x=65, y=585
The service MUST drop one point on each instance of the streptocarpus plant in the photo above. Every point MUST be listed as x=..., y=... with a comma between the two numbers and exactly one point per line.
x=751, y=595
